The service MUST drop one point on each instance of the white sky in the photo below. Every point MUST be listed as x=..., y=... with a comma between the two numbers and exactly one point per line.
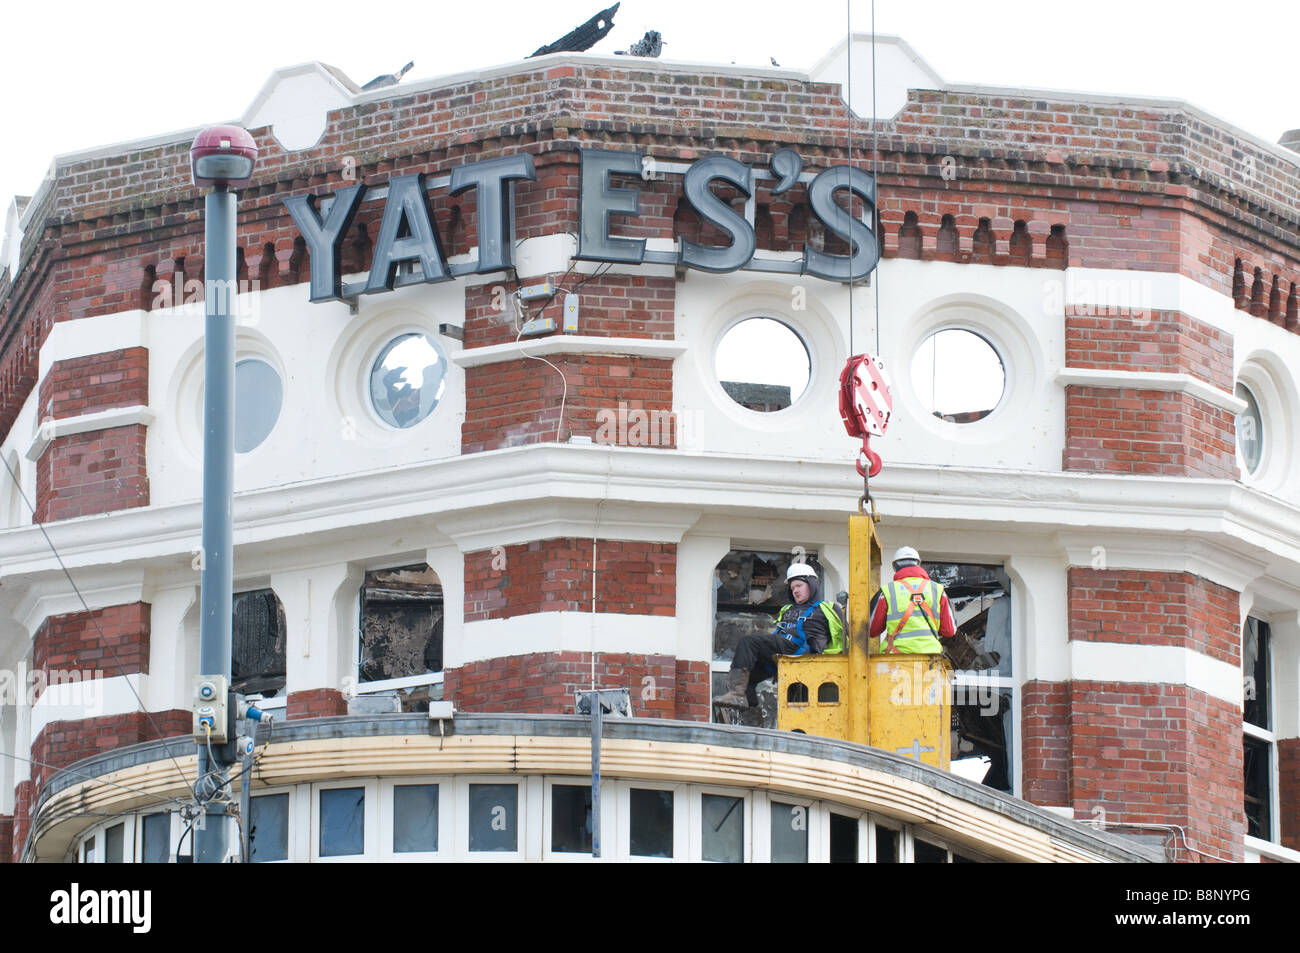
x=79, y=74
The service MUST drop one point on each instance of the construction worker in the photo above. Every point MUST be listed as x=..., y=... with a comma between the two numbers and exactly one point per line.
x=911, y=613
x=803, y=627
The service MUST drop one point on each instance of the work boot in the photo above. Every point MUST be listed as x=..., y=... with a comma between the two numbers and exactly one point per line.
x=738, y=681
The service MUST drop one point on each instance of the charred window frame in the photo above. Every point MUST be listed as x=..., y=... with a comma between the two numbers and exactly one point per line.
x=749, y=590
x=1259, y=744
x=400, y=638
x=257, y=644
x=985, y=692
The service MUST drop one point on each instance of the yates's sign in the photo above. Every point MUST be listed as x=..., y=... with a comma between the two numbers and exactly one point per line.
x=406, y=232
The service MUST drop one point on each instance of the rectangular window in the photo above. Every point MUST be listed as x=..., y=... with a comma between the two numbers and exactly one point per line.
x=889, y=843
x=257, y=643
x=268, y=828
x=415, y=818
x=401, y=626
x=723, y=828
x=113, y=844
x=571, y=818
x=789, y=833
x=651, y=822
x=494, y=817
x=342, y=822
x=156, y=838
x=88, y=851
x=923, y=852
x=1259, y=752
x=844, y=839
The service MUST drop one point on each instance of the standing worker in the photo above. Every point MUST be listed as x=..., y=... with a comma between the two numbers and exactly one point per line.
x=913, y=609
x=807, y=626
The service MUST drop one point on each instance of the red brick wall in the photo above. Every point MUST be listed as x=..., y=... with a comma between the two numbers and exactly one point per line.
x=109, y=641
x=84, y=385
x=545, y=683
x=316, y=703
x=631, y=306
x=554, y=575
x=1155, y=608
x=95, y=472
x=6, y=839
x=1045, y=742
x=1159, y=341
x=1288, y=799
x=1123, y=430
x=1159, y=754
x=22, y=816
x=512, y=403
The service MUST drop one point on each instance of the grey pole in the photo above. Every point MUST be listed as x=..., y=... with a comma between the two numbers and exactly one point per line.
x=218, y=480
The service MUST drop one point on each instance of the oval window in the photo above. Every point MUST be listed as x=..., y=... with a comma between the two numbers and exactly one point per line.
x=762, y=365
x=407, y=380
x=258, y=396
x=958, y=376
x=1250, y=430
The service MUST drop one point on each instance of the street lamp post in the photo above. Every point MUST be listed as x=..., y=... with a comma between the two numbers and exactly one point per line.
x=222, y=157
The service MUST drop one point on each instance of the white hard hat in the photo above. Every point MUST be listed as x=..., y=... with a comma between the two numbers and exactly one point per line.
x=798, y=570
x=906, y=552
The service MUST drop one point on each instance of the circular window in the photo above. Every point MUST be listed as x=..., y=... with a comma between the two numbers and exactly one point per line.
x=407, y=380
x=258, y=396
x=762, y=364
x=1250, y=430
x=958, y=376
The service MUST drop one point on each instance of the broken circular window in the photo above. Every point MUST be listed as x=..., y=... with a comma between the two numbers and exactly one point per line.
x=258, y=396
x=763, y=365
x=1250, y=430
x=958, y=376
x=407, y=380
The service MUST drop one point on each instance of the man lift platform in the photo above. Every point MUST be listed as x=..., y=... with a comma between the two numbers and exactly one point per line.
x=898, y=702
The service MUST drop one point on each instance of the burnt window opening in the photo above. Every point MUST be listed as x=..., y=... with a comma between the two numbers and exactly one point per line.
x=749, y=590
x=257, y=644
x=401, y=629
x=983, y=715
x=1258, y=754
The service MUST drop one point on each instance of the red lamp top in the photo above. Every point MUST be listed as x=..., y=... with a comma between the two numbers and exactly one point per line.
x=223, y=156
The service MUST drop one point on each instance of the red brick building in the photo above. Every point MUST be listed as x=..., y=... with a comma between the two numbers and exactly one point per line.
x=1088, y=306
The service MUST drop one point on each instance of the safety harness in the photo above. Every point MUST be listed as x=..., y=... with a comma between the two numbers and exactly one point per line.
x=916, y=599
x=792, y=629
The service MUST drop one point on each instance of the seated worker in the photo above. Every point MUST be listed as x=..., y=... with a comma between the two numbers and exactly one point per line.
x=807, y=626
x=912, y=609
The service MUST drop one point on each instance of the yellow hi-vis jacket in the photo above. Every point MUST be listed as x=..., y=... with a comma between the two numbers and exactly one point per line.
x=912, y=616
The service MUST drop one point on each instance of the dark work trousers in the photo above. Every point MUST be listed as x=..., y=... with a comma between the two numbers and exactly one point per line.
x=754, y=652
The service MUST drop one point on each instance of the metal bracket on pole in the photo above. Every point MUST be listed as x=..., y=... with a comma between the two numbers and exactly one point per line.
x=610, y=701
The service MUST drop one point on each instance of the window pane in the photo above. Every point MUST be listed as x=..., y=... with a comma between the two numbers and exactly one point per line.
x=157, y=836
x=88, y=851
x=571, y=818
x=925, y=853
x=651, y=823
x=258, y=396
x=342, y=822
x=493, y=817
x=887, y=841
x=1254, y=665
x=113, y=844
x=407, y=380
x=789, y=833
x=1250, y=430
x=723, y=836
x=401, y=623
x=415, y=817
x=958, y=376
x=1256, y=756
x=844, y=839
x=268, y=830
x=762, y=364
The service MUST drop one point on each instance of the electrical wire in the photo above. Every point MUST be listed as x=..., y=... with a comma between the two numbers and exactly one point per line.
x=89, y=614
x=160, y=798
x=875, y=165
